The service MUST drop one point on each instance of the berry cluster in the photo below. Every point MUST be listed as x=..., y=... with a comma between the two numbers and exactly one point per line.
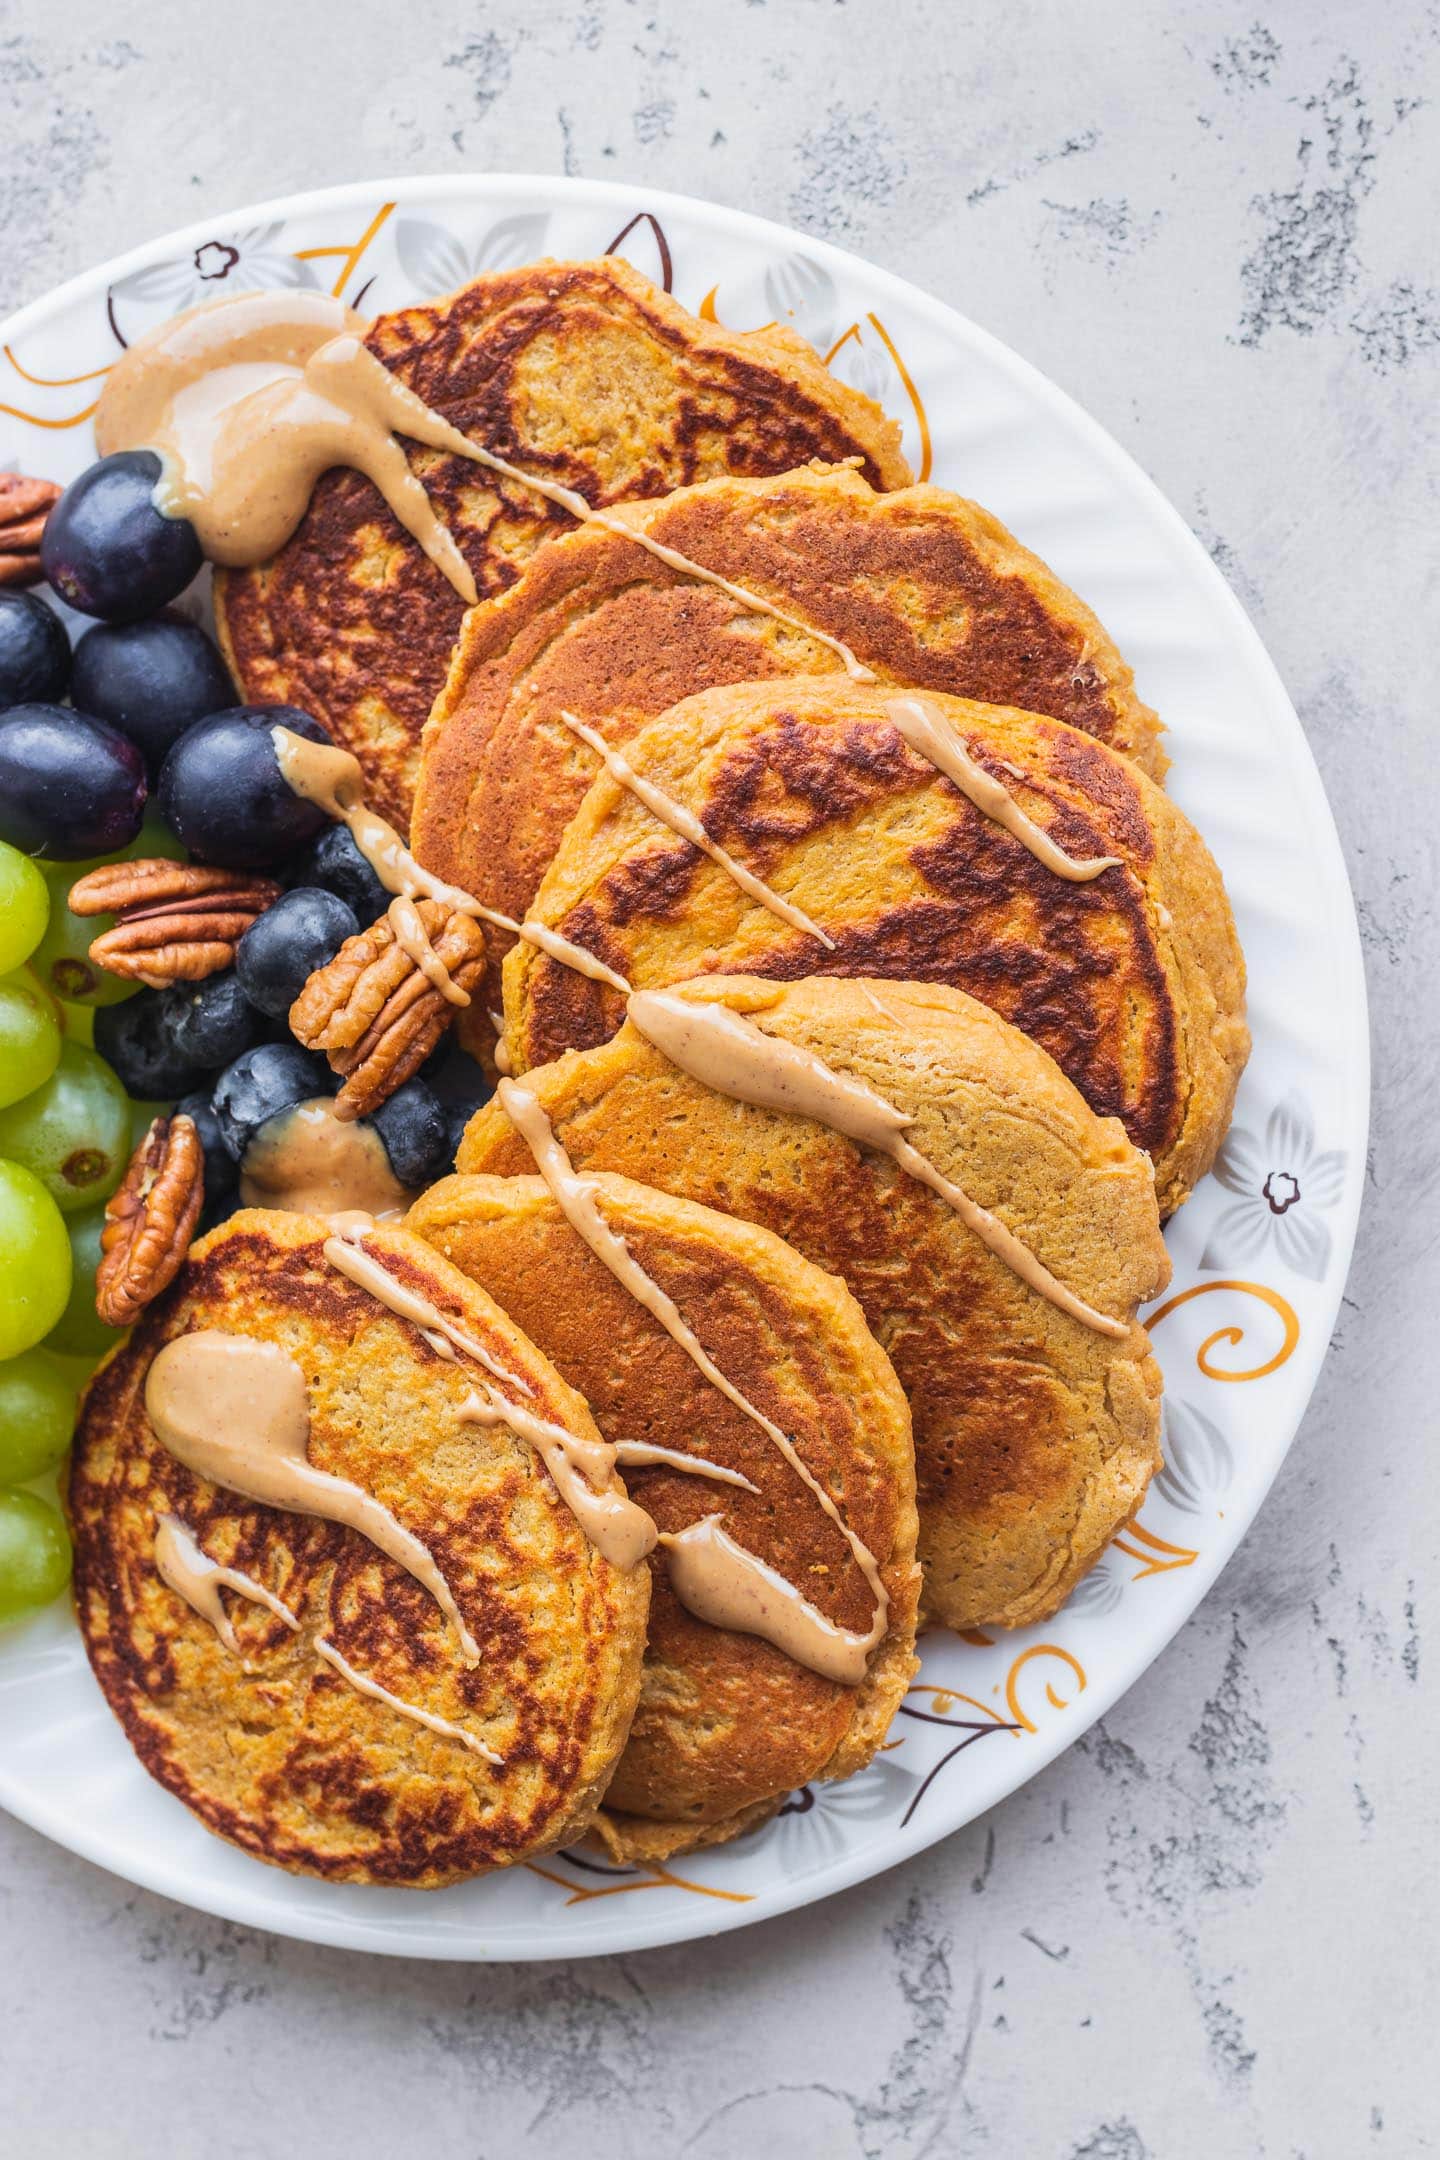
x=151, y=756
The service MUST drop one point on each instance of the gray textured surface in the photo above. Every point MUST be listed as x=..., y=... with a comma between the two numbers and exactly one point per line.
x=1211, y=1928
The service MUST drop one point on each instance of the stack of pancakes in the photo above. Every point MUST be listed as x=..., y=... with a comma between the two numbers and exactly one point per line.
x=1066, y=1053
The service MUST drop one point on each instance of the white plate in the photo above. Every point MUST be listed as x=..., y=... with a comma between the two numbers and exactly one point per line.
x=1260, y=1253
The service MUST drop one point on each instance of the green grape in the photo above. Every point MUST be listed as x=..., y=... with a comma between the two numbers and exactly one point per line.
x=73, y=1131
x=29, y=1037
x=34, y=1260
x=143, y=1116
x=62, y=958
x=77, y=1023
x=79, y=1331
x=37, y=1416
x=24, y=907
x=34, y=1553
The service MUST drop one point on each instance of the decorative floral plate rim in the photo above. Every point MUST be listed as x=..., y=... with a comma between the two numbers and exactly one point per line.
x=1260, y=1253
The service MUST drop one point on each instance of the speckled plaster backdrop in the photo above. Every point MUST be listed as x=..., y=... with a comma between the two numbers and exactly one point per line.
x=1211, y=1929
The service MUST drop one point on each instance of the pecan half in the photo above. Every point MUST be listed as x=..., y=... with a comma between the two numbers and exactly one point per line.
x=374, y=1013
x=150, y=1221
x=24, y=506
x=174, y=922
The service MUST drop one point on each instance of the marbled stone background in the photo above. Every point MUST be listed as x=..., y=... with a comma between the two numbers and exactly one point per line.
x=1211, y=1929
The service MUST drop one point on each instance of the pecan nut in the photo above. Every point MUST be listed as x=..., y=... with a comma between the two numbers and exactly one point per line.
x=24, y=506
x=376, y=1014
x=174, y=922
x=150, y=1221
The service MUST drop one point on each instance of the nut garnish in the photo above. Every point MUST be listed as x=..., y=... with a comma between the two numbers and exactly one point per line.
x=374, y=1014
x=150, y=1221
x=24, y=506
x=174, y=922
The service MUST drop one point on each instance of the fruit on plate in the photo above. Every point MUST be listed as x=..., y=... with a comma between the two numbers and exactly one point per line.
x=416, y=1133
x=222, y=793
x=35, y=1264
x=151, y=679
x=261, y=1084
x=136, y=1039
x=73, y=1131
x=79, y=1331
x=211, y=1023
x=335, y=862
x=70, y=786
x=37, y=1416
x=24, y=907
x=29, y=1036
x=62, y=958
x=34, y=650
x=108, y=550
x=34, y=1553
x=222, y=1172
x=281, y=950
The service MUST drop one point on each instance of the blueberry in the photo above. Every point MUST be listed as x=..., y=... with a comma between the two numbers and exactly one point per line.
x=108, y=550
x=461, y=1087
x=335, y=862
x=70, y=786
x=135, y=1039
x=457, y=1117
x=152, y=680
x=261, y=1084
x=222, y=794
x=413, y=1126
x=220, y=1170
x=34, y=651
x=213, y=1022
x=221, y=1176
x=283, y=947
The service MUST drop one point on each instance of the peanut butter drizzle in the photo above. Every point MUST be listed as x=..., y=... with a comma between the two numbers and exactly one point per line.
x=348, y=1255
x=613, y=1523
x=576, y=1197
x=684, y=822
x=581, y=1468
x=875, y=1005
x=234, y=1410
x=674, y=560
x=430, y=1719
x=195, y=1577
x=727, y=1051
x=931, y=735
x=248, y=401
x=731, y=1587
x=413, y=938
x=310, y=1162
x=642, y=1454
x=333, y=780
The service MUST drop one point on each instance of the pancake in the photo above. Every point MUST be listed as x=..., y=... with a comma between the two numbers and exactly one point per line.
x=926, y=588
x=1035, y=1435
x=1133, y=982
x=273, y=1748
x=728, y=1724
x=582, y=372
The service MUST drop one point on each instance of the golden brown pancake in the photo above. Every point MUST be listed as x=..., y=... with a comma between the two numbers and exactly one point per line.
x=582, y=372
x=926, y=588
x=1133, y=982
x=1035, y=1435
x=727, y=1724
x=278, y=1752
